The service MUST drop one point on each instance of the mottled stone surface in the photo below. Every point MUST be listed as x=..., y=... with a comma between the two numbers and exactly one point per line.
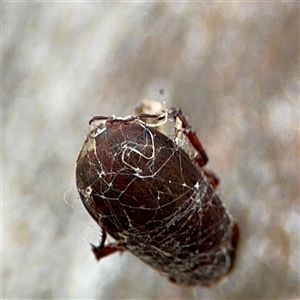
x=232, y=67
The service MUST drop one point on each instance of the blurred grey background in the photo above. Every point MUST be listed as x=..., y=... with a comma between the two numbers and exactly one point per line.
x=234, y=70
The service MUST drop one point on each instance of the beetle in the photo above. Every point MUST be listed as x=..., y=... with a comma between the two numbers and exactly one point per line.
x=155, y=198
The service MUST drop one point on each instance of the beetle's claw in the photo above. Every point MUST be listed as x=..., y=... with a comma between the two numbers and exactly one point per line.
x=102, y=251
x=98, y=251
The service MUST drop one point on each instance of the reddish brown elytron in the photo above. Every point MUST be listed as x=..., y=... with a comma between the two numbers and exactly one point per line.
x=155, y=199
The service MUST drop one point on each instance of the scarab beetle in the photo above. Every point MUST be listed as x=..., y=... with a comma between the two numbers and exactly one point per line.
x=156, y=199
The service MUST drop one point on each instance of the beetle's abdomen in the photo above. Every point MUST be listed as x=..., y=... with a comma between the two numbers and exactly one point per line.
x=148, y=194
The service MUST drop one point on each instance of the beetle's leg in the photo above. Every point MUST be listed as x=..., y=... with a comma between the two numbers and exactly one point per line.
x=212, y=178
x=103, y=251
x=201, y=157
x=98, y=118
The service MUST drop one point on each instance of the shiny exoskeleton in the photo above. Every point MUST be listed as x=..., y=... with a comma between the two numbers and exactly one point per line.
x=155, y=199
